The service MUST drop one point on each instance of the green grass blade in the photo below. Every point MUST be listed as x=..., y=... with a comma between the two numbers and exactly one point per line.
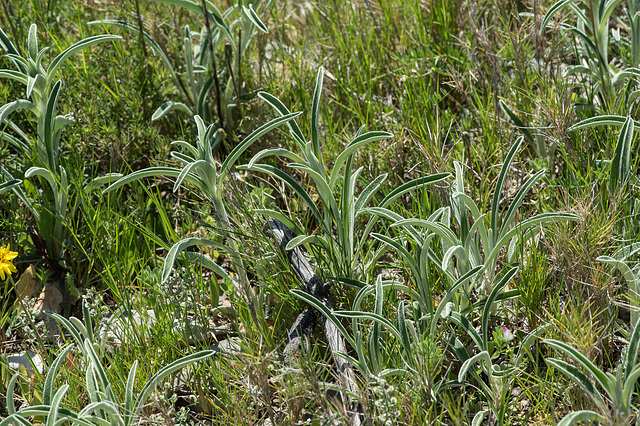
x=518, y=122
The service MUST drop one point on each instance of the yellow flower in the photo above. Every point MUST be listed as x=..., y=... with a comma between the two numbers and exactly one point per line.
x=6, y=267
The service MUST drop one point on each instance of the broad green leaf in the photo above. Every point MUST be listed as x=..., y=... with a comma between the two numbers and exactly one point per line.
x=5, y=186
x=602, y=120
x=44, y=173
x=50, y=115
x=47, y=393
x=253, y=17
x=578, y=357
x=450, y=295
x=32, y=42
x=55, y=405
x=279, y=152
x=497, y=192
x=620, y=168
x=62, y=57
x=160, y=375
x=7, y=44
x=632, y=351
x=404, y=188
x=356, y=143
x=329, y=314
x=471, y=362
x=179, y=247
x=551, y=12
x=284, y=177
x=169, y=106
x=129, y=389
x=582, y=416
x=315, y=115
x=294, y=129
x=368, y=192
x=302, y=239
x=518, y=200
x=7, y=109
x=141, y=174
x=14, y=420
x=578, y=377
x=372, y=316
x=14, y=75
x=246, y=143
x=489, y=305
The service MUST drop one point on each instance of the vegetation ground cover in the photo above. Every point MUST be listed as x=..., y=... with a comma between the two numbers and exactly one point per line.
x=461, y=175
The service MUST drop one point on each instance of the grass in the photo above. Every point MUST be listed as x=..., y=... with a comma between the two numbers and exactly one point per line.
x=432, y=74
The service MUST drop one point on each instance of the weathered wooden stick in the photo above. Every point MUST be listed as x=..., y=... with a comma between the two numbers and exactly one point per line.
x=306, y=320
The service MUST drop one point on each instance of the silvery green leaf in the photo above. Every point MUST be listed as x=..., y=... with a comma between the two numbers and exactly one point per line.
x=159, y=376
x=82, y=44
x=582, y=416
x=169, y=106
x=180, y=246
x=479, y=417
x=253, y=17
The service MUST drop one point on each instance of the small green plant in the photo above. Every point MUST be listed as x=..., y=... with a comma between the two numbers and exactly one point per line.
x=203, y=71
x=199, y=168
x=608, y=87
x=614, y=404
x=476, y=244
x=105, y=408
x=336, y=189
x=41, y=98
x=492, y=368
